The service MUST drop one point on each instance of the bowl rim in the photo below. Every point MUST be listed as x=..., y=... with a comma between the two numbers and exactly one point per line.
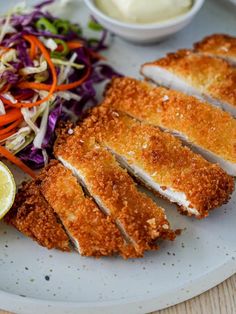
x=159, y=25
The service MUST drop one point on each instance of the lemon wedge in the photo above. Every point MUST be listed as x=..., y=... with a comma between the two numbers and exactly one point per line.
x=7, y=189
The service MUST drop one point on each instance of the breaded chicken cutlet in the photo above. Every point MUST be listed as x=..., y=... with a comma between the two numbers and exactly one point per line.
x=141, y=221
x=92, y=232
x=35, y=218
x=211, y=79
x=55, y=198
x=208, y=129
x=220, y=45
x=161, y=162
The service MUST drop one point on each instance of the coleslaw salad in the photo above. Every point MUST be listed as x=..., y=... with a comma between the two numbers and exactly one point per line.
x=47, y=73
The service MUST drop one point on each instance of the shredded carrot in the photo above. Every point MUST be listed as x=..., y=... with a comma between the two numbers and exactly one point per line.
x=33, y=85
x=10, y=116
x=74, y=44
x=71, y=45
x=24, y=96
x=74, y=84
x=5, y=136
x=41, y=86
x=97, y=55
x=5, y=153
x=5, y=88
x=12, y=126
x=5, y=49
x=6, y=106
x=52, y=87
x=6, y=101
x=33, y=48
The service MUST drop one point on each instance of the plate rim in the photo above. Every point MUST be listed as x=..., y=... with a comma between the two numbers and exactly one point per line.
x=13, y=302
x=200, y=284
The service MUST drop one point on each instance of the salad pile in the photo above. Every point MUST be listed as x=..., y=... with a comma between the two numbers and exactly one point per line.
x=47, y=72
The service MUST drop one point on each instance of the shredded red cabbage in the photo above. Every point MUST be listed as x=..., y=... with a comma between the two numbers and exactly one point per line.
x=86, y=55
x=9, y=76
x=32, y=156
x=53, y=119
x=43, y=4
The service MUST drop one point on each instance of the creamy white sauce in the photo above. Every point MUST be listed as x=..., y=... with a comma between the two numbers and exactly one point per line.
x=144, y=11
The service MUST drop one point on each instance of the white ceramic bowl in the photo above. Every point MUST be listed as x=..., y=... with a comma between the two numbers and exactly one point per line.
x=233, y=1
x=144, y=33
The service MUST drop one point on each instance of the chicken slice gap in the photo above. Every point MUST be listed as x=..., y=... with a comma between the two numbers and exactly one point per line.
x=208, y=130
x=35, y=218
x=141, y=221
x=161, y=162
x=218, y=45
x=92, y=232
x=208, y=78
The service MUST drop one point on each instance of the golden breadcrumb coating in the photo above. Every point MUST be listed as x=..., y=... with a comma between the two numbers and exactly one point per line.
x=164, y=158
x=211, y=76
x=95, y=233
x=32, y=216
x=203, y=124
x=137, y=215
x=218, y=45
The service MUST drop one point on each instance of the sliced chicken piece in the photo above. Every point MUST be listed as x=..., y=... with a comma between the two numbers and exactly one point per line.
x=93, y=233
x=137, y=216
x=207, y=129
x=35, y=218
x=220, y=45
x=211, y=79
x=162, y=163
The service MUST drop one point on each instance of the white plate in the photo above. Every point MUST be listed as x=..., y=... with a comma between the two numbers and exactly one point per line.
x=203, y=256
